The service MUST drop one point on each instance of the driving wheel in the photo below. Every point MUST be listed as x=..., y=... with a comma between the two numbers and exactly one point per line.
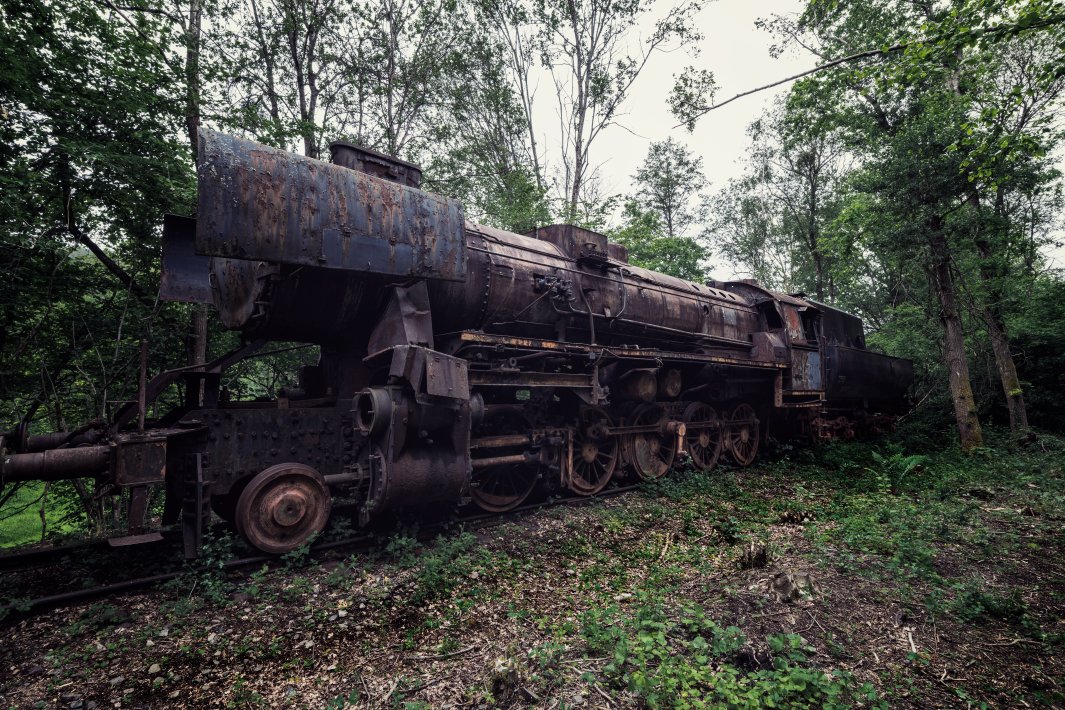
x=703, y=435
x=743, y=434
x=503, y=487
x=595, y=452
x=651, y=453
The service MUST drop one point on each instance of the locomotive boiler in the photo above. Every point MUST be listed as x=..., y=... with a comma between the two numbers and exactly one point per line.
x=459, y=363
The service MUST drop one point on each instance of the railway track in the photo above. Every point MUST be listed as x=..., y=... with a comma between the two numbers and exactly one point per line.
x=43, y=558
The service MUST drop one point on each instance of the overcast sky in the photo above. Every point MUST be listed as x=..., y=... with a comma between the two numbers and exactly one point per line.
x=738, y=54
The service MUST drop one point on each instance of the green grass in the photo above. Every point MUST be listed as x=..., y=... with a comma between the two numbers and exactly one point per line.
x=24, y=527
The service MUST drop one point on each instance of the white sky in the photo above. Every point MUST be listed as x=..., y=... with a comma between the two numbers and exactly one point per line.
x=738, y=54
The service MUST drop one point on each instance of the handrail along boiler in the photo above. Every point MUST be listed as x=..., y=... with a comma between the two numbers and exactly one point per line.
x=458, y=362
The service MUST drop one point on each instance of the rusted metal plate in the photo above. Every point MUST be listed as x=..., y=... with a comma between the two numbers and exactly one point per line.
x=406, y=320
x=445, y=376
x=408, y=363
x=185, y=277
x=805, y=370
x=260, y=203
x=855, y=374
x=140, y=461
x=365, y=160
x=572, y=240
x=793, y=322
x=129, y=540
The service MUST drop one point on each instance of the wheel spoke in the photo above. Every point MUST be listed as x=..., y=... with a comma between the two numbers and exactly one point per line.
x=591, y=476
x=652, y=454
x=744, y=436
x=704, y=456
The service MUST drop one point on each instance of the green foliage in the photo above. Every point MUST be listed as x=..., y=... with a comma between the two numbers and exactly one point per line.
x=669, y=184
x=938, y=137
x=344, y=701
x=444, y=566
x=205, y=577
x=587, y=48
x=299, y=557
x=14, y=604
x=1037, y=322
x=648, y=246
x=892, y=471
x=20, y=518
x=681, y=658
x=933, y=507
x=90, y=159
x=402, y=550
x=438, y=568
x=241, y=696
x=975, y=600
x=772, y=222
x=97, y=616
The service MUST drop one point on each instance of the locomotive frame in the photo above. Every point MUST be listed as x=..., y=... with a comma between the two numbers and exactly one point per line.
x=459, y=363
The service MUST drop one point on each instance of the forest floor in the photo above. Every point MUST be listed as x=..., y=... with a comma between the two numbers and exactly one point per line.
x=823, y=578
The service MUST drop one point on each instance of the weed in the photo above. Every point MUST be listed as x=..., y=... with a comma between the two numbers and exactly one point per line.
x=729, y=529
x=341, y=702
x=892, y=471
x=206, y=574
x=243, y=696
x=339, y=576
x=299, y=557
x=402, y=550
x=97, y=616
x=976, y=600
x=256, y=582
x=686, y=660
x=19, y=604
x=444, y=566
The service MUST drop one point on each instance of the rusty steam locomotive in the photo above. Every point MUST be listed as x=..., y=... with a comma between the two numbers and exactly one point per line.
x=459, y=363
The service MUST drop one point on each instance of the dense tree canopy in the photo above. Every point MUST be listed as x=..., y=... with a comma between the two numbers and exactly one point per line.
x=911, y=178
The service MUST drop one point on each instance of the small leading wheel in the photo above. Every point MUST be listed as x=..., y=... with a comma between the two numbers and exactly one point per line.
x=503, y=487
x=702, y=442
x=595, y=452
x=743, y=434
x=283, y=507
x=651, y=453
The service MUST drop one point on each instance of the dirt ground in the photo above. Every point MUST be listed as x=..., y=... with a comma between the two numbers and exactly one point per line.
x=789, y=583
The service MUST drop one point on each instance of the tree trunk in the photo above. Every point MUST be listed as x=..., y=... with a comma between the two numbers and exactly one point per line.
x=961, y=390
x=996, y=326
x=1007, y=371
x=813, y=233
x=44, y=507
x=197, y=354
x=1000, y=343
x=192, y=76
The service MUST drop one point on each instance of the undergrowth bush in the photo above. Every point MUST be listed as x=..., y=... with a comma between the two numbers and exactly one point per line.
x=680, y=658
x=975, y=600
